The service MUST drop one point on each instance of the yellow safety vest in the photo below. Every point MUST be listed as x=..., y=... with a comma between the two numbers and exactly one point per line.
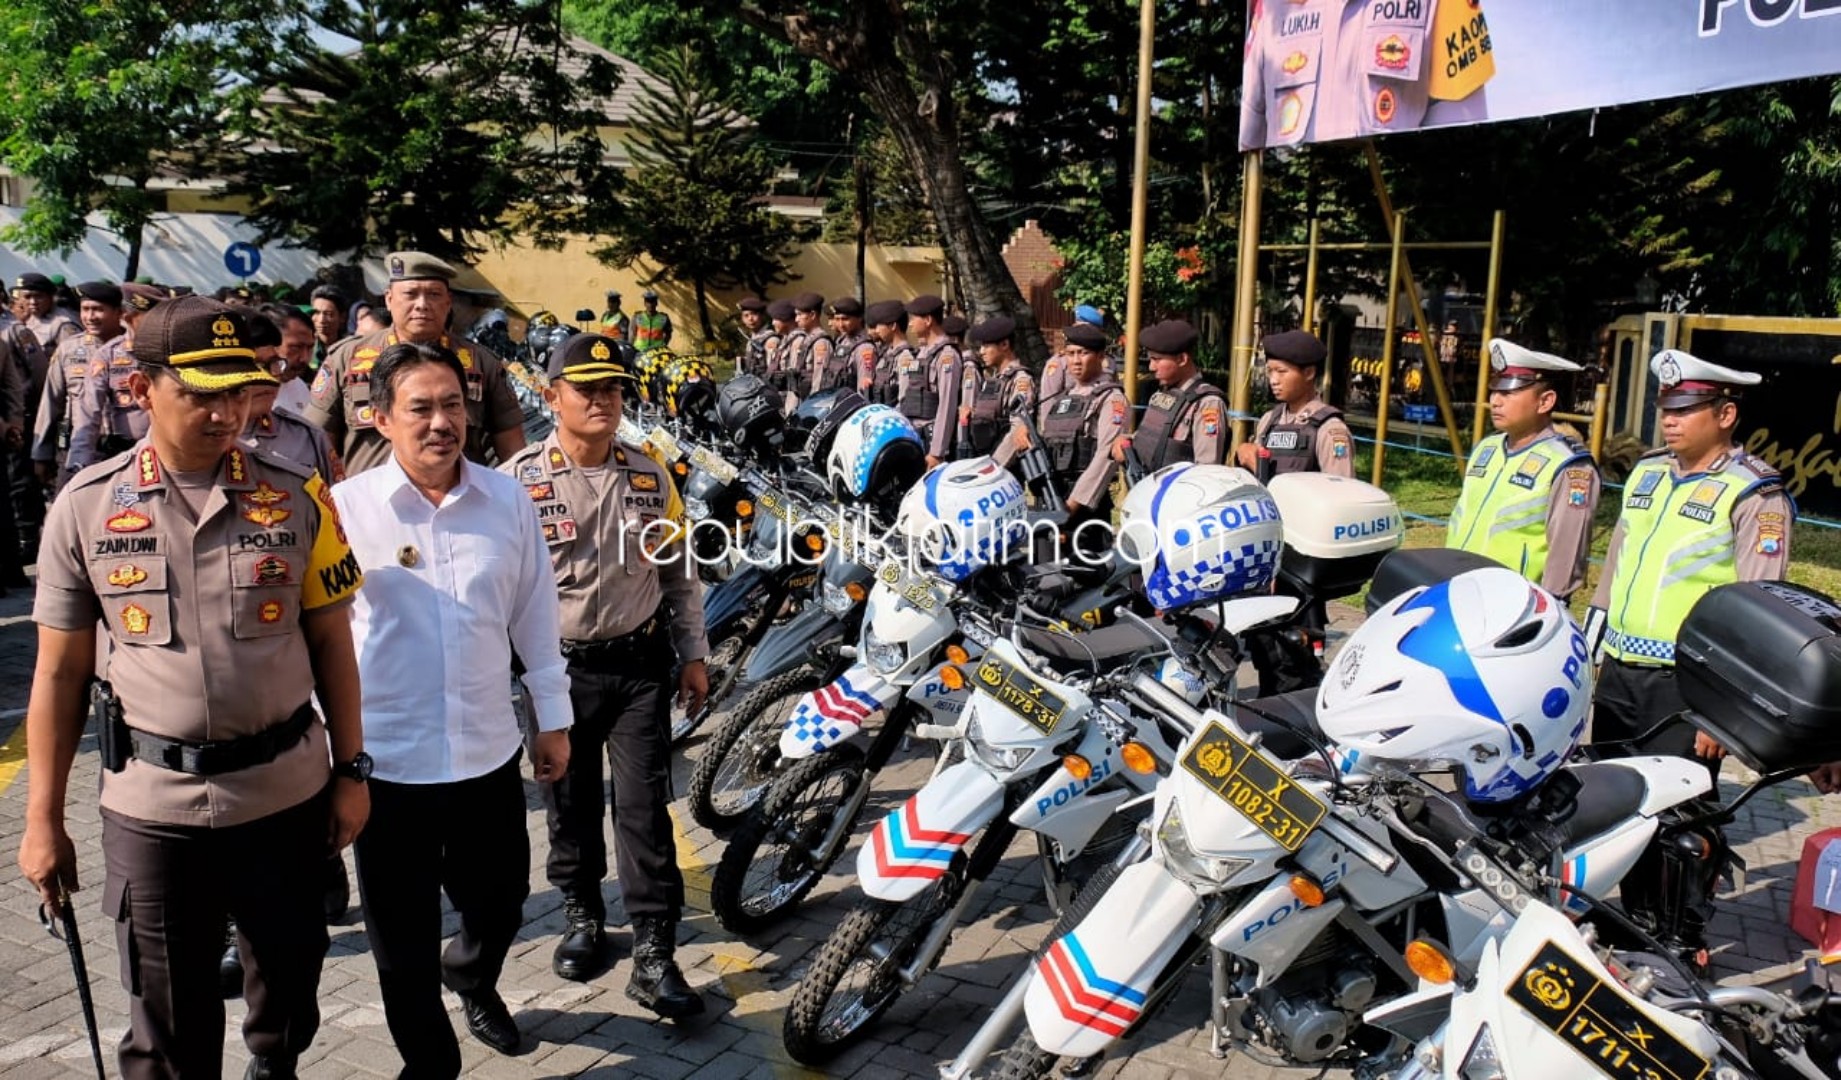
x=1678, y=544
x=1502, y=510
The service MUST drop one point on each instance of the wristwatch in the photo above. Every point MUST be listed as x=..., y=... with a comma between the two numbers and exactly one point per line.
x=358, y=768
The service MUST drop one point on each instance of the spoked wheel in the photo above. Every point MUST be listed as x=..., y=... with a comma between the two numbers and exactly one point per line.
x=742, y=755
x=775, y=857
x=1027, y=1061
x=856, y=975
x=724, y=655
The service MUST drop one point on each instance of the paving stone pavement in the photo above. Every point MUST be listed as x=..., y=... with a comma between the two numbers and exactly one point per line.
x=593, y=1030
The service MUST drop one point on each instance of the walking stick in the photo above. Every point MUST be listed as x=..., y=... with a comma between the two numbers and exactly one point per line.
x=64, y=927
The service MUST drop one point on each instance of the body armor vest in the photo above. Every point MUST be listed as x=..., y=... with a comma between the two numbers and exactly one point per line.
x=922, y=401
x=839, y=369
x=1155, y=442
x=990, y=409
x=1292, y=447
x=1070, y=427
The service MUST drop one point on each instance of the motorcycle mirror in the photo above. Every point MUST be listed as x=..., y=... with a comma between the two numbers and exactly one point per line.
x=584, y=315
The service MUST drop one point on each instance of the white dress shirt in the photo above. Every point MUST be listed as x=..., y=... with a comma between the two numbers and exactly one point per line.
x=294, y=396
x=449, y=592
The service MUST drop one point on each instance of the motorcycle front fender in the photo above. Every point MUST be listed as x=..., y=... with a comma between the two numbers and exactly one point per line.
x=792, y=644
x=729, y=602
x=912, y=847
x=835, y=712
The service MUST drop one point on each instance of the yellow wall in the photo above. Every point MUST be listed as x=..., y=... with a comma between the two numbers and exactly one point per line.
x=565, y=280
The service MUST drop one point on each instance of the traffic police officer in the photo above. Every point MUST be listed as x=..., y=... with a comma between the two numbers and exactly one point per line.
x=221, y=577
x=1302, y=433
x=419, y=300
x=998, y=387
x=896, y=363
x=760, y=335
x=853, y=354
x=614, y=322
x=1185, y=418
x=1529, y=490
x=651, y=327
x=630, y=607
x=931, y=399
x=1317, y=70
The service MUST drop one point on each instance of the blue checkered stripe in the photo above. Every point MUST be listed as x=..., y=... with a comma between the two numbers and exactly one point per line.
x=993, y=543
x=879, y=430
x=1245, y=567
x=1640, y=648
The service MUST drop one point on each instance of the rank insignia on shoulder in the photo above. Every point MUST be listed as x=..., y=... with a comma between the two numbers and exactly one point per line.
x=557, y=460
x=644, y=482
x=128, y=521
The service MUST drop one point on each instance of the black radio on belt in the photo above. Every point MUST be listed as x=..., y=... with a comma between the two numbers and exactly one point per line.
x=111, y=730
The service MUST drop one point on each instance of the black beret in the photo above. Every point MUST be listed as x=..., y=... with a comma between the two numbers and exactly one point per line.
x=808, y=301
x=34, y=282
x=926, y=305
x=1295, y=347
x=587, y=358
x=1169, y=338
x=781, y=310
x=954, y=325
x=1086, y=336
x=102, y=292
x=847, y=305
x=885, y=313
x=994, y=329
x=752, y=303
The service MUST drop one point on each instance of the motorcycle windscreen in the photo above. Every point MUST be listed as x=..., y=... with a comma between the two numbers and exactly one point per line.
x=914, y=845
x=834, y=713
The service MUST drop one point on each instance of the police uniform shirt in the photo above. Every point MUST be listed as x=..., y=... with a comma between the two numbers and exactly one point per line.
x=106, y=408
x=1337, y=69
x=864, y=354
x=51, y=332
x=941, y=369
x=64, y=380
x=818, y=348
x=1572, y=502
x=15, y=384
x=1109, y=425
x=204, y=614
x=1020, y=399
x=1204, y=426
x=614, y=540
x=284, y=434
x=1055, y=376
x=1335, y=445
x=342, y=398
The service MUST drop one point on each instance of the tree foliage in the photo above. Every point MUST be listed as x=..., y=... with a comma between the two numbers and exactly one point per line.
x=694, y=202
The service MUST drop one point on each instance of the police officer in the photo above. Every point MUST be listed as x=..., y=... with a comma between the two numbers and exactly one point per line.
x=106, y=417
x=49, y=325
x=753, y=360
x=327, y=307
x=853, y=354
x=780, y=315
x=814, y=349
x=651, y=328
x=221, y=792
x=420, y=302
x=1185, y=418
x=896, y=362
x=1302, y=433
x=1076, y=425
x=100, y=310
x=631, y=605
x=999, y=387
x=614, y=322
x=931, y=400
x=1317, y=70
x=1529, y=490
x=15, y=418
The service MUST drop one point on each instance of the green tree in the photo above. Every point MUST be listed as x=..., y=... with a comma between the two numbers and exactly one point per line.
x=694, y=201
x=437, y=126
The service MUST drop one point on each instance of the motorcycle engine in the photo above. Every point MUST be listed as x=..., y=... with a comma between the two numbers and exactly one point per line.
x=1310, y=1012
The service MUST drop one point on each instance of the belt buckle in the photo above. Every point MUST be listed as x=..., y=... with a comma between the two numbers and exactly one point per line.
x=186, y=759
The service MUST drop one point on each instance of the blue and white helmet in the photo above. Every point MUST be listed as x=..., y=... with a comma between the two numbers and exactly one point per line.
x=964, y=516
x=1486, y=673
x=1201, y=533
x=876, y=450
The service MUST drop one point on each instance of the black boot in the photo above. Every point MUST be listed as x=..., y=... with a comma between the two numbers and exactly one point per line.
x=582, y=952
x=657, y=983
x=230, y=967
x=338, y=896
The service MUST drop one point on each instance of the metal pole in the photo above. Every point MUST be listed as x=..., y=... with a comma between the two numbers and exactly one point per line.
x=1601, y=403
x=1246, y=298
x=1387, y=349
x=1141, y=167
x=1310, y=281
x=1489, y=324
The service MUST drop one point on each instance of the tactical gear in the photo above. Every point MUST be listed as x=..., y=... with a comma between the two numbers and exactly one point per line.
x=990, y=409
x=922, y=400
x=1288, y=448
x=1070, y=423
x=1155, y=442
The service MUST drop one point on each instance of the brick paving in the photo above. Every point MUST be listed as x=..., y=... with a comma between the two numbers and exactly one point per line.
x=592, y=1030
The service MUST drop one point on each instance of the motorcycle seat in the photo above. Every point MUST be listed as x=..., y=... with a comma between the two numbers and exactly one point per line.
x=1609, y=795
x=1077, y=651
x=1299, y=707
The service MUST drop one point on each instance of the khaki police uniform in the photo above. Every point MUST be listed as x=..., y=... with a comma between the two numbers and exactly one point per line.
x=285, y=434
x=1184, y=423
x=105, y=419
x=65, y=378
x=1317, y=70
x=761, y=345
x=1055, y=378
x=22, y=369
x=991, y=402
x=1313, y=438
x=931, y=400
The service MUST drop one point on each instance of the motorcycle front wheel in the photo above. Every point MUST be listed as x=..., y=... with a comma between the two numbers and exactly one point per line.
x=742, y=755
x=773, y=860
x=724, y=656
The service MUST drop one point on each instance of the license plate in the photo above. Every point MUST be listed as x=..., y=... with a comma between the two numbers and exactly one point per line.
x=856, y=548
x=1569, y=999
x=713, y=464
x=777, y=504
x=913, y=588
x=1255, y=786
x=665, y=443
x=1021, y=693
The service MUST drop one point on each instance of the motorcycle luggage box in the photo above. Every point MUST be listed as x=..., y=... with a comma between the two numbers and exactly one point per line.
x=1759, y=664
x=1337, y=530
x=1412, y=568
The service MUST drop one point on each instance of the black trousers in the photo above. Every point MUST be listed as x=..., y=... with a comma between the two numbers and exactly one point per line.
x=624, y=717
x=169, y=889
x=26, y=495
x=466, y=838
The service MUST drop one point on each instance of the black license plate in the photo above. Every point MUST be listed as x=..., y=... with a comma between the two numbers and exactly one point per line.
x=913, y=588
x=1021, y=693
x=1254, y=785
x=772, y=502
x=1599, y=1023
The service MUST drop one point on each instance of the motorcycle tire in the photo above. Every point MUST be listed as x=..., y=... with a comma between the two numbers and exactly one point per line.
x=769, y=865
x=855, y=976
x=741, y=757
x=1027, y=1061
x=724, y=656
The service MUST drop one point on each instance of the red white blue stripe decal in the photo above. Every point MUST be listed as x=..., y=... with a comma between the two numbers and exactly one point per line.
x=1572, y=872
x=1082, y=995
x=905, y=850
x=831, y=714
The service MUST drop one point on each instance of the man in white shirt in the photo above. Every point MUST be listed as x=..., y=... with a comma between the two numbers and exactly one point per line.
x=457, y=578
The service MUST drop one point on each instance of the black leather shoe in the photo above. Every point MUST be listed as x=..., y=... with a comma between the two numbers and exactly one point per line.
x=490, y=1021
x=338, y=896
x=272, y=1067
x=656, y=982
x=582, y=952
x=230, y=968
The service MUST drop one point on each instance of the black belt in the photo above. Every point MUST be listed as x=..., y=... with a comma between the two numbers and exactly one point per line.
x=632, y=643
x=225, y=756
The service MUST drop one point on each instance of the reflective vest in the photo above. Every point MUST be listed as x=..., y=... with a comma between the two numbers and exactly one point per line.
x=1070, y=428
x=1502, y=511
x=651, y=330
x=1292, y=447
x=1155, y=443
x=1678, y=543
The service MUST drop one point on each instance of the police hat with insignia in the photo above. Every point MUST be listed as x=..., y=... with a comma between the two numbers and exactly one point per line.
x=954, y=326
x=34, y=282
x=204, y=343
x=781, y=310
x=648, y=295
x=926, y=306
x=1688, y=380
x=752, y=303
x=808, y=301
x=589, y=358
x=142, y=296
x=1512, y=367
x=1086, y=336
x=885, y=313
x=106, y=293
x=847, y=305
x=1295, y=347
x=993, y=330
x=1170, y=338
x=417, y=266
x=613, y=294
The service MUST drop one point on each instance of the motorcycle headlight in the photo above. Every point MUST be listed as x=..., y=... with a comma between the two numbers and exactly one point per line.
x=1199, y=871
x=996, y=758
x=885, y=657
x=1482, y=1061
x=835, y=600
x=696, y=509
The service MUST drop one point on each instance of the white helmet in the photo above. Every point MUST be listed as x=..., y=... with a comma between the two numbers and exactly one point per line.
x=1201, y=533
x=875, y=452
x=964, y=516
x=1485, y=672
